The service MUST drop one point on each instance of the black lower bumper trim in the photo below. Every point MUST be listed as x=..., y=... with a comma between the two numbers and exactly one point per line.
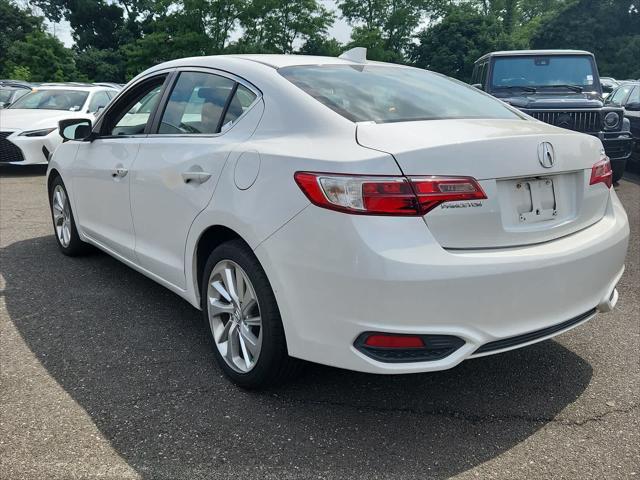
x=528, y=337
x=436, y=347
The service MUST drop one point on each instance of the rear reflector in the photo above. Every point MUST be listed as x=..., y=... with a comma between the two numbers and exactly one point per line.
x=371, y=195
x=601, y=173
x=397, y=348
x=394, y=341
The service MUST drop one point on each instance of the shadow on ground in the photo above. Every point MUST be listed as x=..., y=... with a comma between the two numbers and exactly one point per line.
x=22, y=170
x=136, y=358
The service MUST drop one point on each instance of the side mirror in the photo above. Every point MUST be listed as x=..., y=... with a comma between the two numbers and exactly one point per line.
x=607, y=88
x=477, y=85
x=633, y=107
x=75, y=129
x=99, y=109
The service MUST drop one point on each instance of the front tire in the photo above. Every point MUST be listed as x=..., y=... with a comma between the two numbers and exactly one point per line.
x=64, y=225
x=244, y=320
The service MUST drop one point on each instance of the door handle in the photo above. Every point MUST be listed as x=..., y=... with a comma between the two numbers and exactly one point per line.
x=119, y=172
x=195, y=177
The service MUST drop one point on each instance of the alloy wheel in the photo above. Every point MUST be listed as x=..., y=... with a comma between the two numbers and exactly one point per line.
x=234, y=316
x=61, y=215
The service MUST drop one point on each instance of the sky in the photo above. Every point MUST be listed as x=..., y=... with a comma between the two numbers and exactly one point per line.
x=340, y=30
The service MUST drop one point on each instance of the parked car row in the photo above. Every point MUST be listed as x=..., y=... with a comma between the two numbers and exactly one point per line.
x=29, y=126
x=627, y=95
x=562, y=88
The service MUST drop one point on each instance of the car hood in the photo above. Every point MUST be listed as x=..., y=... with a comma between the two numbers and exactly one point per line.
x=554, y=101
x=33, y=119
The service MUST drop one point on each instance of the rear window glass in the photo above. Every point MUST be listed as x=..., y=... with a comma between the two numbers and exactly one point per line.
x=383, y=94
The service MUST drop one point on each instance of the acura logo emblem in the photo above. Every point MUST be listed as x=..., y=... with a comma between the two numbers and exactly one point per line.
x=546, y=155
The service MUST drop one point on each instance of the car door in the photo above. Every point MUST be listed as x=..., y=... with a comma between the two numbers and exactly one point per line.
x=101, y=178
x=205, y=115
x=634, y=115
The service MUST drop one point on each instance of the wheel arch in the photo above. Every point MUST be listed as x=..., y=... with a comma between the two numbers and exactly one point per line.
x=51, y=176
x=210, y=238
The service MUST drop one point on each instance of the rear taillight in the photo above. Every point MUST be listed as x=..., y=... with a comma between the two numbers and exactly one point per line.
x=601, y=173
x=370, y=195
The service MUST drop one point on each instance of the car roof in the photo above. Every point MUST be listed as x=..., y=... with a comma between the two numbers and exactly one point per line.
x=81, y=88
x=274, y=60
x=513, y=53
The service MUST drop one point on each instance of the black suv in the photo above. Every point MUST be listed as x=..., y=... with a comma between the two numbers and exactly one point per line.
x=560, y=87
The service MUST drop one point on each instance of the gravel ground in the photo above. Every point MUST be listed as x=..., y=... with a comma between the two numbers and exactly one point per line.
x=105, y=374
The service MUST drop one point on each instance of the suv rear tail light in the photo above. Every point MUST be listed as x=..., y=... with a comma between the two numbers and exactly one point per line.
x=372, y=195
x=601, y=173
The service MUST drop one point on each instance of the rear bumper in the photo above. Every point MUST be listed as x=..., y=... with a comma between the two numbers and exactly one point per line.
x=336, y=276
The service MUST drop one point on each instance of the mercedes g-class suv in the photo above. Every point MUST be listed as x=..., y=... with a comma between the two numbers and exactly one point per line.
x=560, y=87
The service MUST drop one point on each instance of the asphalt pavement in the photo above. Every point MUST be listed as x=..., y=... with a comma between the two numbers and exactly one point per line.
x=105, y=374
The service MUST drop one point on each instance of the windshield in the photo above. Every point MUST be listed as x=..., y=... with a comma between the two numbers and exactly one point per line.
x=392, y=94
x=71, y=100
x=5, y=94
x=549, y=71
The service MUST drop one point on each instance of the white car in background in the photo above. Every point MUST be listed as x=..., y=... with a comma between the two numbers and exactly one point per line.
x=29, y=127
x=369, y=216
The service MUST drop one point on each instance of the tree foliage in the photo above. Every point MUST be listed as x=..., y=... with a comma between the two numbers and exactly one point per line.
x=115, y=40
x=44, y=56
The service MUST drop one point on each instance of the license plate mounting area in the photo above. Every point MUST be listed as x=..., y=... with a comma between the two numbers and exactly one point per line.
x=540, y=196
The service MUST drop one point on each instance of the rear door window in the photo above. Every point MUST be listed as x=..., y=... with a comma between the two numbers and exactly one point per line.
x=196, y=104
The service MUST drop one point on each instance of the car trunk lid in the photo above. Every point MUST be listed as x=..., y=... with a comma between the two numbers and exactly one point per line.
x=526, y=201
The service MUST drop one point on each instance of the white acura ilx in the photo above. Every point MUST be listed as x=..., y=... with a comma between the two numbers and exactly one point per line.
x=369, y=216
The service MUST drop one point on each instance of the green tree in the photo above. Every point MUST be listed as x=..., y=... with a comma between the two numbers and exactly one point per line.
x=608, y=28
x=15, y=24
x=20, y=73
x=385, y=27
x=275, y=25
x=101, y=65
x=322, y=45
x=454, y=44
x=45, y=56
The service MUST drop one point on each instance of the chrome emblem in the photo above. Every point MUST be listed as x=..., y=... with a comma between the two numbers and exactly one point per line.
x=546, y=155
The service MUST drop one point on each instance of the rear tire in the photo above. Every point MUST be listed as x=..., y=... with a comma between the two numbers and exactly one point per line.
x=244, y=321
x=64, y=225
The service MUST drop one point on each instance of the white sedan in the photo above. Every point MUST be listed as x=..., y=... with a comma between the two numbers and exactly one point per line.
x=29, y=127
x=369, y=216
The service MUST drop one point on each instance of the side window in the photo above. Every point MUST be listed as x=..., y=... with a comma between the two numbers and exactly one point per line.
x=635, y=96
x=99, y=100
x=619, y=95
x=474, y=75
x=130, y=114
x=196, y=104
x=241, y=101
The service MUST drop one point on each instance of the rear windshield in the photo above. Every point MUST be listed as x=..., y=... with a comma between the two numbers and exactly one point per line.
x=392, y=94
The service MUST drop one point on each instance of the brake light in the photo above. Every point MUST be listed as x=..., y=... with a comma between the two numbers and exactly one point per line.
x=601, y=173
x=371, y=195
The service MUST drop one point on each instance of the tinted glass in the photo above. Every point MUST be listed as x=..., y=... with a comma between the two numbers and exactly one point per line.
x=134, y=120
x=392, y=94
x=532, y=71
x=196, y=104
x=99, y=99
x=6, y=94
x=241, y=101
x=619, y=95
x=71, y=100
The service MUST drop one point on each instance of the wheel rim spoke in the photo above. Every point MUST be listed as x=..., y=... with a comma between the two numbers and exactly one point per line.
x=234, y=316
x=61, y=215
